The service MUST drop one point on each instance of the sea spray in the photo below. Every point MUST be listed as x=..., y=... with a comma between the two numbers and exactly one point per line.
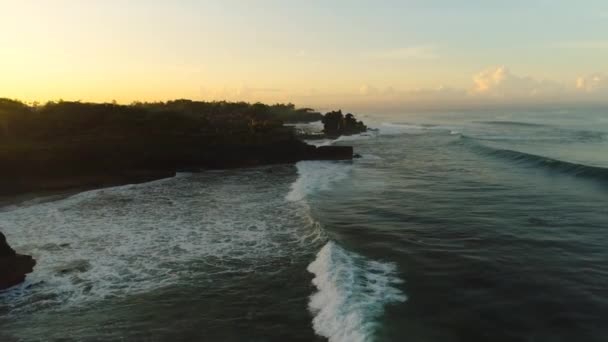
x=317, y=176
x=351, y=289
x=352, y=292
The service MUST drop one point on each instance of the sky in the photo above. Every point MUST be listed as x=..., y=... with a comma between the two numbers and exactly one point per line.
x=357, y=54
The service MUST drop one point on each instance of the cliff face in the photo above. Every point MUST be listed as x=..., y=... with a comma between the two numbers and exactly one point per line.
x=95, y=170
x=93, y=165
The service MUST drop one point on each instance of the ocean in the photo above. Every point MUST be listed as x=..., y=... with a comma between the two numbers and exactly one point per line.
x=464, y=226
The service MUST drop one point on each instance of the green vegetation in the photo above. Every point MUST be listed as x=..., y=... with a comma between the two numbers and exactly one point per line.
x=70, y=140
x=56, y=120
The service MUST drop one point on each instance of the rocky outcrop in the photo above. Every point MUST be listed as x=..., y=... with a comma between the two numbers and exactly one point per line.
x=336, y=124
x=13, y=266
x=13, y=269
x=69, y=174
x=333, y=153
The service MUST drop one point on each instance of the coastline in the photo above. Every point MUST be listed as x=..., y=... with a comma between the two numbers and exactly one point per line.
x=61, y=186
x=70, y=146
x=54, y=189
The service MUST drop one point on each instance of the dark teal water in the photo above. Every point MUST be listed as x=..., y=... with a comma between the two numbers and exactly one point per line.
x=452, y=227
x=500, y=229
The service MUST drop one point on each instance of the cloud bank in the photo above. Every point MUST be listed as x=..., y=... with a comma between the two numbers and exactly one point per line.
x=500, y=83
x=596, y=83
x=492, y=87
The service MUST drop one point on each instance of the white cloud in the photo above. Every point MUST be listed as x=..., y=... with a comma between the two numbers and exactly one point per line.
x=422, y=52
x=496, y=86
x=499, y=82
x=592, y=83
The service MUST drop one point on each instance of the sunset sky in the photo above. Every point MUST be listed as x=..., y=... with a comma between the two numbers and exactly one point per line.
x=369, y=55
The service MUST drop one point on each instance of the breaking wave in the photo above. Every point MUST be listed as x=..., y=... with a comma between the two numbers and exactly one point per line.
x=389, y=128
x=351, y=293
x=512, y=123
x=352, y=290
x=315, y=176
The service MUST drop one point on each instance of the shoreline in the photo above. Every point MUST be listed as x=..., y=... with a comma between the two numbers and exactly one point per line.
x=56, y=188
x=53, y=181
x=69, y=146
x=65, y=186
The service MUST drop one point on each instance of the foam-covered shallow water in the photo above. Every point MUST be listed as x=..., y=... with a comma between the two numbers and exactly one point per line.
x=317, y=176
x=118, y=243
x=124, y=240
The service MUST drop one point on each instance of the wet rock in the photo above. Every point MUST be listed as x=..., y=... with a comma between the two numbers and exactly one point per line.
x=13, y=269
x=333, y=153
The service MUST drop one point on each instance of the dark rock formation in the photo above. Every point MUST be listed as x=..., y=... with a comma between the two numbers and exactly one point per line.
x=13, y=269
x=13, y=266
x=333, y=153
x=5, y=249
x=85, y=172
x=336, y=124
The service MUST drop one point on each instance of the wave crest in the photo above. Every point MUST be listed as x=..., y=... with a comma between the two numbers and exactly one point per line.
x=352, y=293
x=316, y=176
x=570, y=168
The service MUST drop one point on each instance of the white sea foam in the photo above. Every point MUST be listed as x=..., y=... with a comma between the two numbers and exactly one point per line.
x=352, y=290
x=369, y=156
x=320, y=142
x=119, y=241
x=389, y=128
x=352, y=293
x=317, y=176
x=354, y=137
